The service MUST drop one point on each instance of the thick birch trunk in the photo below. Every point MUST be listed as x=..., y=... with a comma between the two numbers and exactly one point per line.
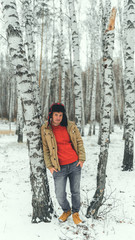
x=129, y=87
x=108, y=85
x=28, y=22
x=41, y=201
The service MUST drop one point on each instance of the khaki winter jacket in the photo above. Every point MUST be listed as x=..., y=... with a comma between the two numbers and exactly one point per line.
x=50, y=145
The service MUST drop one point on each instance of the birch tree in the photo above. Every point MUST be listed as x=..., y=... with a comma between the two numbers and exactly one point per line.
x=41, y=201
x=62, y=68
x=50, y=76
x=20, y=120
x=71, y=84
x=2, y=86
x=76, y=64
x=129, y=86
x=108, y=85
x=30, y=43
x=95, y=44
x=104, y=16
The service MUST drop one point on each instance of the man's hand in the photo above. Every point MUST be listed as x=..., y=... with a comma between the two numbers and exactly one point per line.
x=80, y=163
x=52, y=170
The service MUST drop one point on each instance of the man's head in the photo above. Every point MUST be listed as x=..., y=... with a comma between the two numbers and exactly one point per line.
x=58, y=115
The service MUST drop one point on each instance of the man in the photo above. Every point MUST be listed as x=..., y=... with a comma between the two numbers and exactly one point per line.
x=64, y=156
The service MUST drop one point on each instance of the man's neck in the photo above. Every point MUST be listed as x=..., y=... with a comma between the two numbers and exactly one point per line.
x=55, y=125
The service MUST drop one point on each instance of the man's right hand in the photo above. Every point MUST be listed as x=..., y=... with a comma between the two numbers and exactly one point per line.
x=52, y=170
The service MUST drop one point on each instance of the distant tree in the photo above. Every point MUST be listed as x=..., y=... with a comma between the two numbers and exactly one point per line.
x=20, y=119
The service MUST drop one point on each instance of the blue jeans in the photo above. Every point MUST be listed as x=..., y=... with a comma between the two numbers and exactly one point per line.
x=72, y=172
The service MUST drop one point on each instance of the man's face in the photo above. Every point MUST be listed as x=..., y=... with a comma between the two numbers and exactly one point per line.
x=57, y=118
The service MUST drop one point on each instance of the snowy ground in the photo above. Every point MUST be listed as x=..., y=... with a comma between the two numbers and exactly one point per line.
x=116, y=218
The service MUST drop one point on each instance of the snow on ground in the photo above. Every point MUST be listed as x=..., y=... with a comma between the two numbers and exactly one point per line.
x=116, y=217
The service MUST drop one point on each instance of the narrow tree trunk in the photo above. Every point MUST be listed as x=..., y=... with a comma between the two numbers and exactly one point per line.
x=76, y=64
x=20, y=122
x=93, y=100
x=72, y=100
x=116, y=99
x=62, y=56
x=108, y=85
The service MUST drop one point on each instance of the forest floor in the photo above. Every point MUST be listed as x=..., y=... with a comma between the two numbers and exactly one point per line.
x=116, y=218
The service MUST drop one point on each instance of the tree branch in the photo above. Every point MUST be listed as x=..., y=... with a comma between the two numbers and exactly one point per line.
x=1, y=36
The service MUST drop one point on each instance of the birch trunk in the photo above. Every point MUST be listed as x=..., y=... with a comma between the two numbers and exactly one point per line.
x=28, y=22
x=116, y=99
x=62, y=56
x=112, y=113
x=72, y=100
x=2, y=99
x=104, y=13
x=50, y=77
x=108, y=85
x=93, y=103
x=76, y=64
x=41, y=201
x=55, y=74
x=87, y=107
x=41, y=51
x=20, y=120
x=129, y=87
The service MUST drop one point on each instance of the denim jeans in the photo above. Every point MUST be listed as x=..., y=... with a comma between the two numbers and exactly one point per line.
x=72, y=172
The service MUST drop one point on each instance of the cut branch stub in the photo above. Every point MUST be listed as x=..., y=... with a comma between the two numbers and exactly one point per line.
x=111, y=24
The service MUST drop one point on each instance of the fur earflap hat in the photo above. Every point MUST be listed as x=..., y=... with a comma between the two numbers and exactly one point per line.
x=58, y=107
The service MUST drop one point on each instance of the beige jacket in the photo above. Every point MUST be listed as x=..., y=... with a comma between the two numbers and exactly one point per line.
x=50, y=145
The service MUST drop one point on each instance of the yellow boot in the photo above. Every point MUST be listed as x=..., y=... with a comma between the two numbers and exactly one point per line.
x=76, y=218
x=64, y=216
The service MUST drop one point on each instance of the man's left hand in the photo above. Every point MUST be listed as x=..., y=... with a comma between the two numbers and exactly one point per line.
x=80, y=163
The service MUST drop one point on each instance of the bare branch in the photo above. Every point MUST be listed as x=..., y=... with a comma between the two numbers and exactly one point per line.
x=1, y=36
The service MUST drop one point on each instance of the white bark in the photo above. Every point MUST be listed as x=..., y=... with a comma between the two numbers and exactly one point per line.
x=72, y=102
x=129, y=86
x=116, y=98
x=20, y=120
x=50, y=76
x=41, y=202
x=108, y=86
x=28, y=21
x=76, y=64
x=93, y=99
x=62, y=46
